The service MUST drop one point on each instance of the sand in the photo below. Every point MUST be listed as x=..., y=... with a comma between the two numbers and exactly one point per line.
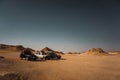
x=70, y=67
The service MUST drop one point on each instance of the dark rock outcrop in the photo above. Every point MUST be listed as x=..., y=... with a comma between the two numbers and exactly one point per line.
x=47, y=50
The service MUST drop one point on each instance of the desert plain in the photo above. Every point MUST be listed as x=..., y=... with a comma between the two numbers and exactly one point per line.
x=70, y=67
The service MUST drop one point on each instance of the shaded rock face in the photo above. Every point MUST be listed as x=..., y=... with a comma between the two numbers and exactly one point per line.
x=1, y=57
x=46, y=50
x=96, y=51
x=20, y=47
x=11, y=47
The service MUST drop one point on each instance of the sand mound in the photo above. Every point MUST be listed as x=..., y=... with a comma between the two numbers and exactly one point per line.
x=27, y=75
x=13, y=76
x=96, y=51
x=11, y=47
x=5, y=47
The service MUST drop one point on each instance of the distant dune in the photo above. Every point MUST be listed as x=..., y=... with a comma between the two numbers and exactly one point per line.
x=114, y=52
x=6, y=47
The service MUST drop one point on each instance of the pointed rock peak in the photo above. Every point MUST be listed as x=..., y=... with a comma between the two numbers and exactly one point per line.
x=47, y=49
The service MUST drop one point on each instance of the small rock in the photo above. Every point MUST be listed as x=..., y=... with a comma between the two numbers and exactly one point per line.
x=2, y=58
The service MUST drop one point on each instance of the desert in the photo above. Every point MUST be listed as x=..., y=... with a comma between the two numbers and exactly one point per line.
x=59, y=39
x=82, y=66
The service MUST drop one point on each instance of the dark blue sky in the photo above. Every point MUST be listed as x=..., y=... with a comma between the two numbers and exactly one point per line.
x=66, y=25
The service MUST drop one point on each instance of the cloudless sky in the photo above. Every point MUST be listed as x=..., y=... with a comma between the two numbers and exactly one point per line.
x=65, y=25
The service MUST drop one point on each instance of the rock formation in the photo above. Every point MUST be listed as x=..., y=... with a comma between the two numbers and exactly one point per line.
x=47, y=50
x=96, y=51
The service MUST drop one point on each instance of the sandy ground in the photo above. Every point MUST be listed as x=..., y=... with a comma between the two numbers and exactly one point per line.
x=71, y=67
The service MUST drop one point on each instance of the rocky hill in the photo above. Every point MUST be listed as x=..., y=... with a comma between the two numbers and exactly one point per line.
x=47, y=50
x=96, y=51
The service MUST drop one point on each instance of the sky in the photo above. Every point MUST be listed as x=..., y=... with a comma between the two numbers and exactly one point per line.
x=64, y=25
